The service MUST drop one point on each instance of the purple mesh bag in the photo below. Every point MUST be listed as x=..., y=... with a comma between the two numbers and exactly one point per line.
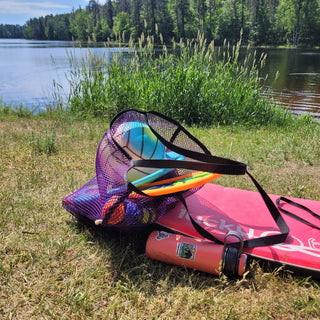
x=141, y=148
x=144, y=150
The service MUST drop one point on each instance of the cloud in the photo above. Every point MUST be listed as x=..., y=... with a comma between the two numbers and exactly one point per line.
x=31, y=8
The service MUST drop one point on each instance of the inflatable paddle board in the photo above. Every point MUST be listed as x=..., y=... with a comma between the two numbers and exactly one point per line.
x=219, y=210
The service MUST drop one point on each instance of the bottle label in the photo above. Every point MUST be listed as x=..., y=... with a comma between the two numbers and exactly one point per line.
x=186, y=250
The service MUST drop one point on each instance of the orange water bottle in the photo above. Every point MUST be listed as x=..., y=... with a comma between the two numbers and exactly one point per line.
x=196, y=253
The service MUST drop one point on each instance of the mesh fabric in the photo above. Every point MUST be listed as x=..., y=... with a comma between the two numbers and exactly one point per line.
x=107, y=199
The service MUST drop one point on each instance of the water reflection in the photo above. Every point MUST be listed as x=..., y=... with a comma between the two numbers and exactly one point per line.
x=297, y=86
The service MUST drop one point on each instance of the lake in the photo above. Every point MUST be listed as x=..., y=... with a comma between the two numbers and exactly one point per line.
x=28, y=70
x=298, y=84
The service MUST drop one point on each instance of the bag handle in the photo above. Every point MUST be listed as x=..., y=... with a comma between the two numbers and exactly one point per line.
x=225, y=167
x=223, y=164
x=207, y=162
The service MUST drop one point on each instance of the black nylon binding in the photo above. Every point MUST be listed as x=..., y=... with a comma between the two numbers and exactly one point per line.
x=206, y=156
x=179, y=128
x=292, y=215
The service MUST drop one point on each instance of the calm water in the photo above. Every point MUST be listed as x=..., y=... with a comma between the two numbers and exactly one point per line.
x=298, y=84
x=28, y=70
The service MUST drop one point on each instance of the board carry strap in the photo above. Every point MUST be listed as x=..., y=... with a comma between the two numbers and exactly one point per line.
x=250, y=243
x=300, y=206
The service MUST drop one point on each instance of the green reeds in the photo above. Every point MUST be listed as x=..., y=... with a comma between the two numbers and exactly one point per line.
x=191, y=82
x=87, y=80
x=21, y=110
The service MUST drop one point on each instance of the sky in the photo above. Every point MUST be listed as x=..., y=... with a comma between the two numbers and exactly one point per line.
x=20, y=11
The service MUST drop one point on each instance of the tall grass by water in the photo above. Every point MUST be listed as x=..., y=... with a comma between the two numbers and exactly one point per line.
x=194, y=82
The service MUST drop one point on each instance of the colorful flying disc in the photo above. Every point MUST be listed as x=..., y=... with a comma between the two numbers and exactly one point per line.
x=139, y=142
x=178, y=184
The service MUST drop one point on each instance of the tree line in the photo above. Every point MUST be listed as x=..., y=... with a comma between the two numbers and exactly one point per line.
x=261, y=22
x=11, y=31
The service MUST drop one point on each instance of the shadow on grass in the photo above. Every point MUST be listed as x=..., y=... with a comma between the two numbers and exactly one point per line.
x=132, y=269
x=130, y=264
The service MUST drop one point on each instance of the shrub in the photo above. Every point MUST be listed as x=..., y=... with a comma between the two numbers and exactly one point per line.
x=194, y=84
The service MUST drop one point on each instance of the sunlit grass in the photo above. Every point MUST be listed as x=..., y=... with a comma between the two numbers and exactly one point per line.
x=54, y=267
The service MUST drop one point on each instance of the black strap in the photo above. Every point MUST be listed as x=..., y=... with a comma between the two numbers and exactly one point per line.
x=282, y=225
x=292, y=215
x=207, y=162
x=205, y=156
x=230, y=168
x=224, y=166
x=250, y=243
x=203, y=232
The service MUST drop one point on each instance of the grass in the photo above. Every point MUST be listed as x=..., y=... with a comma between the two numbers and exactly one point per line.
x=53, y=267
x=193, y=82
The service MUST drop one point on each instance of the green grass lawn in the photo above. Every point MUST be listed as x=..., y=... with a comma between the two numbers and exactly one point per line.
x=52, y=267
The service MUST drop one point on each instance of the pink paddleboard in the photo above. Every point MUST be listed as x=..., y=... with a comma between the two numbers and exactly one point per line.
x=219, y=209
